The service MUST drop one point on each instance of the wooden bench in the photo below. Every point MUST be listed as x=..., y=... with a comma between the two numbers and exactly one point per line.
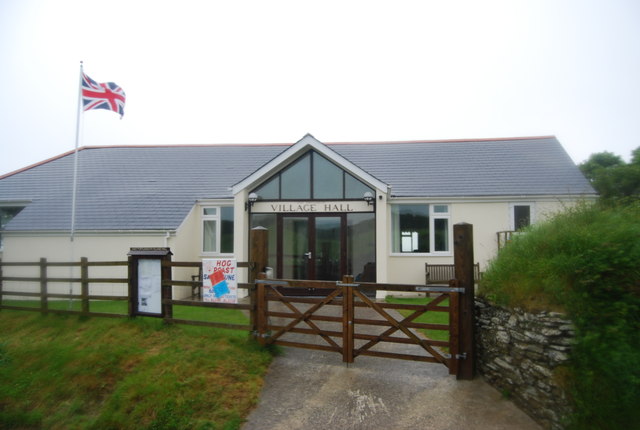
x=443, y=273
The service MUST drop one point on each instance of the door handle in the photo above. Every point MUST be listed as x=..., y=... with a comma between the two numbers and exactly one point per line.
x=309, y=255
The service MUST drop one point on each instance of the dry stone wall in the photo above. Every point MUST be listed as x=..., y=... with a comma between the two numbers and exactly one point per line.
x=521, y=354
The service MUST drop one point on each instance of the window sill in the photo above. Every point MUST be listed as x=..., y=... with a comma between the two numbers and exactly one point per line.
x=421, y=254
x=216, y=255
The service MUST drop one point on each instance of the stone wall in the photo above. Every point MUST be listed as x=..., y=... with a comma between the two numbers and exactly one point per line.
x=519, y=353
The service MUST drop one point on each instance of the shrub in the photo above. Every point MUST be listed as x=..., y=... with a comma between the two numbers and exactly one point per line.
x=584, y=262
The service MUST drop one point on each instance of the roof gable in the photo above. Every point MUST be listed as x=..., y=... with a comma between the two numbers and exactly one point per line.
x=308, y=142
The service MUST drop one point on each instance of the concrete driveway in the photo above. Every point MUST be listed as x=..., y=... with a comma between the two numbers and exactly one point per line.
x=309, y=389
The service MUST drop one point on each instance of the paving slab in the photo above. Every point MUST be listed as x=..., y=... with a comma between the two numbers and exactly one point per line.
x=312, y=389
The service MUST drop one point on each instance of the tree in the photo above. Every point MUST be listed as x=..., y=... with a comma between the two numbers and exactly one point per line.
x=600, y=160
x=635, y=156
x=611, y=177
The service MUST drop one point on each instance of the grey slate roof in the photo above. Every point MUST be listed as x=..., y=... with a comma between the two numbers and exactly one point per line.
x=536, y=166
x=149, y=188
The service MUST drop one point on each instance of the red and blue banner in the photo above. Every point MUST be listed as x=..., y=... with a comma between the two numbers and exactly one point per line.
x=219, y=282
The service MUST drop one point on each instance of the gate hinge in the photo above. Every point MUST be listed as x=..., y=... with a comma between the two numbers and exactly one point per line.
x=264, y=335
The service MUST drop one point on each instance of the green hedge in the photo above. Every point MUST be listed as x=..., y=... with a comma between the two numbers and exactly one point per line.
x=584, y=262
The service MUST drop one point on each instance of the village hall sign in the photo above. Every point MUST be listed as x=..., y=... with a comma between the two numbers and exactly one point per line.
x=312, y=207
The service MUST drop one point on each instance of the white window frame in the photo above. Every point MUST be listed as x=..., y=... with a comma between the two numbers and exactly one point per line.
x=218, y=219
x=512, y=215
x=432, y=217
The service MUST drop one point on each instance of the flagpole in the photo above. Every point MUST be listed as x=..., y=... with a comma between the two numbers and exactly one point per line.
x=75, y=158
x=75, y=185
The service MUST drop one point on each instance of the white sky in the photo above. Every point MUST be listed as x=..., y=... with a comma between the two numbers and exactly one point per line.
x=271, y=71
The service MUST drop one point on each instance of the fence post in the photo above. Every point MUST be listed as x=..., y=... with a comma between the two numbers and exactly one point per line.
x=463, y=258
x=347, y=320
x=260, y=311
x=166, y=291
x=84, y=282
x=454, y=327
x=43, y=286
x=258, y=256
x=131, y=272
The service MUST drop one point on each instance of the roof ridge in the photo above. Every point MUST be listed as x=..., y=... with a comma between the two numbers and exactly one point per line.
x=184, y=145
x=205, y=145
x=82, y=148
x=484, y=139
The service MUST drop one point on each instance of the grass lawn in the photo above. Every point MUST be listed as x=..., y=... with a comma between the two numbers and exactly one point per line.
x=427, y=317
x=70, y=372
x=120, y=307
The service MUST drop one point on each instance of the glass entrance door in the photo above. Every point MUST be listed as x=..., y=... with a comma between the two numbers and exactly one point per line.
x=313, y=247
x=296, y=251
x=328, y=246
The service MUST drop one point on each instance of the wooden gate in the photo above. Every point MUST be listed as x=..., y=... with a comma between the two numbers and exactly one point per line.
x=350, y=322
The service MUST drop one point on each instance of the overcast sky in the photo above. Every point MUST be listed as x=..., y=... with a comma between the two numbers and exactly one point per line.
x=199, y=72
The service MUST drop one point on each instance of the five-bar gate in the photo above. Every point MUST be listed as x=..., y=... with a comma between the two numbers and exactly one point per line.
x=348, y=320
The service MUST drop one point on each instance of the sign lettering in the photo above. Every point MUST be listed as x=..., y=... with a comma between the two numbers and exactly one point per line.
x=312, y=207
x=219, y=282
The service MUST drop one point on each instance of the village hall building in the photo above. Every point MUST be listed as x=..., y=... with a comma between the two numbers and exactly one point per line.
x=378, y=211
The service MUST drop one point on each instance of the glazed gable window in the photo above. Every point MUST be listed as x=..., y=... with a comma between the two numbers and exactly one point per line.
x=420, y=228
x=312, y=177
x=217, y=230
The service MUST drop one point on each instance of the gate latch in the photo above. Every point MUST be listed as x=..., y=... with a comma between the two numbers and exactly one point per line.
x=462, y=356
x=340, y=284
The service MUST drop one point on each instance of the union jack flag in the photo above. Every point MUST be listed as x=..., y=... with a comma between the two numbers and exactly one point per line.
x=102, y=96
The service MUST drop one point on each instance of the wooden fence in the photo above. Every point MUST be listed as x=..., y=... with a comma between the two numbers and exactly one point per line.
x=44, y=280
x=168, y=304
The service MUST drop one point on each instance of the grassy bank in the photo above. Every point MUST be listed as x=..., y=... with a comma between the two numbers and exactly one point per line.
x=66, y=372
x=584, y=263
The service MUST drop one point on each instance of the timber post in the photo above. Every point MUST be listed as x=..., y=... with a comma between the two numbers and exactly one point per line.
x=258, y=261
x=132, y=271
x=84, y=283
x=166, y=288
x=347, y=319
x=454, y=328
x=44, y=299
x=463, y=259
x=260, y=311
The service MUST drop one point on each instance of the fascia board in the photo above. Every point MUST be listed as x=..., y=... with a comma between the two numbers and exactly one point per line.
x=14, y=202
x=60, y=233
x=492, y=199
